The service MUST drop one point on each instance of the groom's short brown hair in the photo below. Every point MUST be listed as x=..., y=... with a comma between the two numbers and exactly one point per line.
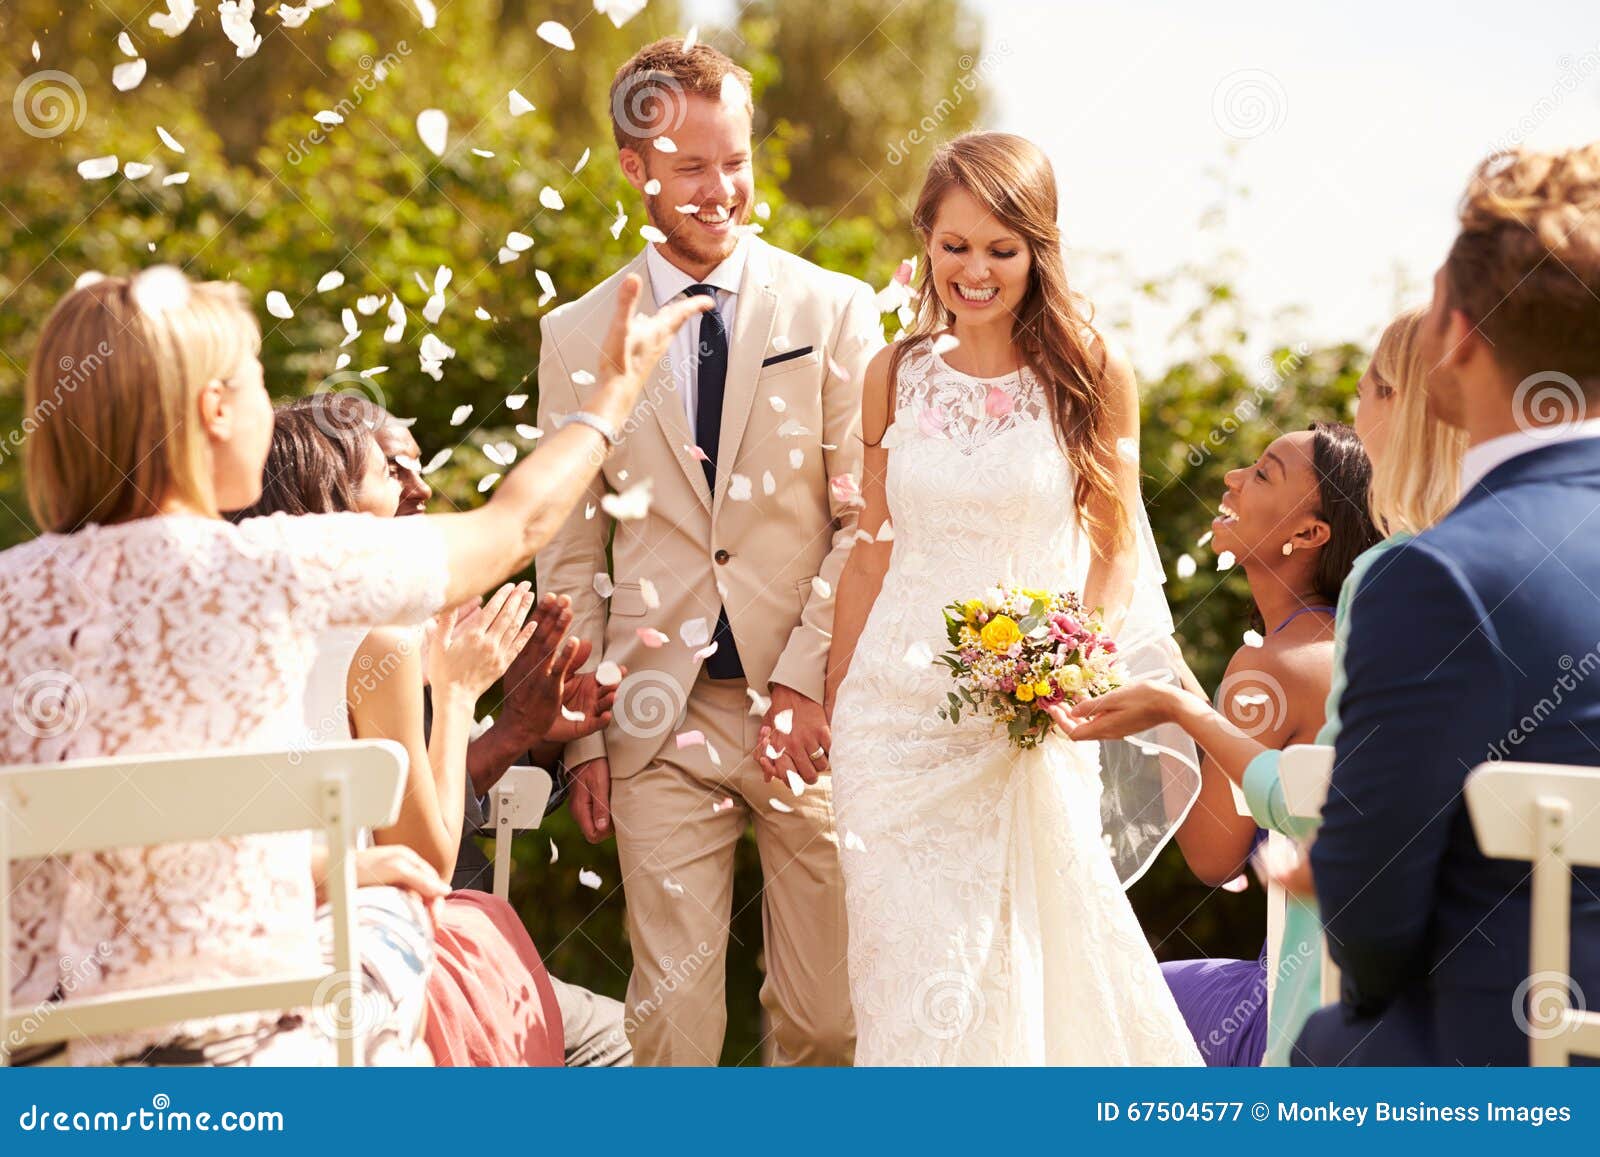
x=648, y=92
x=1526, y=265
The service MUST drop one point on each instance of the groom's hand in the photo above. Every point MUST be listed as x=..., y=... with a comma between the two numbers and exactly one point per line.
x=590, y=799
x=802, y=748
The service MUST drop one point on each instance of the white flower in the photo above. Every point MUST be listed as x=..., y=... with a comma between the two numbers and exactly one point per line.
x=994, y=599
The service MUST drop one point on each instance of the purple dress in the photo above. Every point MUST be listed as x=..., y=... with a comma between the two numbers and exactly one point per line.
x=1224, y=1003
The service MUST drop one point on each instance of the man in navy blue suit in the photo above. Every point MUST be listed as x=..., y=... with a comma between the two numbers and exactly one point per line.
x=1475, y=641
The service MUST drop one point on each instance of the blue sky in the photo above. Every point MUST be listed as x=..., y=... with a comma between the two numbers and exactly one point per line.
x=1353, y=126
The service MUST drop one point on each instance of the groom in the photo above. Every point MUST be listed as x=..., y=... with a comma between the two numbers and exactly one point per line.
x=1464, y=636
x=717, y=600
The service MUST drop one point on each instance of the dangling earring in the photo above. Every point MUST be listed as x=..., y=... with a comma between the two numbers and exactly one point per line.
x=1288, y=549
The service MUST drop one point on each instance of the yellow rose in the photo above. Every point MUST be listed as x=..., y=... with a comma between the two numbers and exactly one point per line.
x=1000, y=632
x=1042, y=688
x=1024, y=693
x=971, y=608
x=1070, y=677
x=1032, y=594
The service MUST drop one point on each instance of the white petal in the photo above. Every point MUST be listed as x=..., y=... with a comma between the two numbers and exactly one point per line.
x=97, y=168
x=652, y=187
x=690, y=37
x=1203, y=539
x=507, y=256
x=1253, y=639
x=619, y=11
x=128, y=75
x=763, y=210
x=582, y=161
x=367, y=304
x=783, y=721
x=603, y=586
x=919, y=654
x=434, y=309
x=758, y=702
x=672, y=886
x=1225, y=560
x=1185, y=566
x=460, y=414
x=531, y=433
x=778, y=404
x=608, y=674
x=486, y=482
x=546, y=286
x=516, y=401
x=519, y=103
x=630, y=505
x=769, y=484
x=616, y=226
x=342, y=361
x=552, y=32
x=588, y=879
x=738, y=488
x=430, y=16
x=779, y=806
x=434, y=129
x=652, y=638
x=520, y=242
x=694, y=632
x=135, y=170
x=482, y=314
x=797, y=458
x=554, y=854
x=583, y=378
x=648, y=594
x=853, y=842
x=484, y=153
x=278, y=305
x=551, y=199
x=438, y=460
x=347, y=318
x=796, y=784
x=333, y=279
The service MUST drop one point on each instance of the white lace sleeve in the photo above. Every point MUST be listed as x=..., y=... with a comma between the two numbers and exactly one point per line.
x=357, y=570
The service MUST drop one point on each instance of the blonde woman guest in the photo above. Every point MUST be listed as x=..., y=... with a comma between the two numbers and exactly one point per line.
x=1415, y=462
x=140, y=621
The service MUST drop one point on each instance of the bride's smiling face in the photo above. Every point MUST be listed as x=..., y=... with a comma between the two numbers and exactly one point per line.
x=979, y=266
x=1270, y=502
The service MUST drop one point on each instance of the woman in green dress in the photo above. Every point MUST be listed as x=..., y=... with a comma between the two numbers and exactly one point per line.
x=1415, y=465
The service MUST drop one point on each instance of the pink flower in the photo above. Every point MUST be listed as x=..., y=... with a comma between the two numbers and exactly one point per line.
x=998, y=403
x=932, y=421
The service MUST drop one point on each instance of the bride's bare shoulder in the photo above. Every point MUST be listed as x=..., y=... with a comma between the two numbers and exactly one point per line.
x=877, y=396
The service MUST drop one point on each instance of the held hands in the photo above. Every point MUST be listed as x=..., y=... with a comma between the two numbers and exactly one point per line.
x=804, y=747
x=471, y=646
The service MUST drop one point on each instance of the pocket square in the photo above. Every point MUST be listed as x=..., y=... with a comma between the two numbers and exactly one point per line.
x=787, y=355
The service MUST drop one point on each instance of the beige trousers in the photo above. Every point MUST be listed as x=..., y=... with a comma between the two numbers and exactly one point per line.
x=677, y=824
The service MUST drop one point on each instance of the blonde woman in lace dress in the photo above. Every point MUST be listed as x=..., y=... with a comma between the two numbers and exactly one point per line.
x=984, y=885
x=140, y=621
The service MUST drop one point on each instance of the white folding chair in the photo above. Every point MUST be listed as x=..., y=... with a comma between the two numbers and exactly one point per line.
x=1544, y=813
x=141, y=801
x=516, y=804
x=1305, y=770
x=1277, y=902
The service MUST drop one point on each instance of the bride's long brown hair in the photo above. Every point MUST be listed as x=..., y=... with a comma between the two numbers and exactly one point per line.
x=1052, y=330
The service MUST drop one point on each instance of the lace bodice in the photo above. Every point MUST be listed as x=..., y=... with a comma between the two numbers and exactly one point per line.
x=175, y=634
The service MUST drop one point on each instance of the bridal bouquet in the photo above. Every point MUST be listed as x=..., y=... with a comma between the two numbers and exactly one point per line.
x=1015, y=651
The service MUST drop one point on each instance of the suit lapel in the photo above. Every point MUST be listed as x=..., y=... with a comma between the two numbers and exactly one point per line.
x=752, y=332
x=663, y=397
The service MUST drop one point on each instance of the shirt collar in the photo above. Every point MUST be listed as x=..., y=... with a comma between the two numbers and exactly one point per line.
x=1479, y=460
x=667, y=281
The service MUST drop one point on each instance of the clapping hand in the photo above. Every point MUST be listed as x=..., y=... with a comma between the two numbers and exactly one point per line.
x=471, y=646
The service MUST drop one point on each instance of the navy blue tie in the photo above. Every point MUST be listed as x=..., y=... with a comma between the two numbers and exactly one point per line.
x=711, y=379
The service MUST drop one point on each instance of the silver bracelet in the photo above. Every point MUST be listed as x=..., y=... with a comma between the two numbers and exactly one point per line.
x=595, y=422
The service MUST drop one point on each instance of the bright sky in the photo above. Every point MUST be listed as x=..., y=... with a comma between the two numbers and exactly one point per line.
x=1355, y=127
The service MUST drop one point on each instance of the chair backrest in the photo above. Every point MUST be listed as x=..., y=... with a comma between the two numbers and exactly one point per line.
x=1305, y=770
x=1549, y=815
x=516, y=803
x=147, y=800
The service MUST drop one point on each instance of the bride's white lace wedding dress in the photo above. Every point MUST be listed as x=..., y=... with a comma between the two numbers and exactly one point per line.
x=988, y=921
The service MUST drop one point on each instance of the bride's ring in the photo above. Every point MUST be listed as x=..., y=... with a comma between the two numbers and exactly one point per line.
x=820, y=753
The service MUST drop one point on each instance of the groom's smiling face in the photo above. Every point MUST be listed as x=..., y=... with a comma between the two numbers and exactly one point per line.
x=700, y=193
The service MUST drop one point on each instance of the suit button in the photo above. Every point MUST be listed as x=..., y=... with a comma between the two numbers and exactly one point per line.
x=722, y=557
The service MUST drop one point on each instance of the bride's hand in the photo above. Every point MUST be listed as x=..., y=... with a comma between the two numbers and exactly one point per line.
x=1126, y=711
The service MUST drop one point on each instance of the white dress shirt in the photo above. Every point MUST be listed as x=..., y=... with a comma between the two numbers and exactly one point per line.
x=1485, y=456
x=667, y=282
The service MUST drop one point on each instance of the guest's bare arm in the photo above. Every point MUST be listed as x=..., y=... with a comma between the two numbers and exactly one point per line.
x=489, y=544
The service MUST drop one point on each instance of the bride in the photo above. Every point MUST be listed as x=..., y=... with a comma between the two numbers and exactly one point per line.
x=984, y=884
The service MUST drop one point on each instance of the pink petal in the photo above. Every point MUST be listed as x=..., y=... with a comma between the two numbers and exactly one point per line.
x=931, y=421
x=651, y=637
x=998, y=403
x=690, y=739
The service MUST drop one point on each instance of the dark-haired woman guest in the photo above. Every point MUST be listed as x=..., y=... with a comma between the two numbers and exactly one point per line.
x=490, y=1000
x=1295, y=520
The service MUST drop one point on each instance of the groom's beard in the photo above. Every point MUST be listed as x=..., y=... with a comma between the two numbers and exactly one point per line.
x=684, y=238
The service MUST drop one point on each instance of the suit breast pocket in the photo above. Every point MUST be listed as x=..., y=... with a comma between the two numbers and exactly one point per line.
x=790, y=362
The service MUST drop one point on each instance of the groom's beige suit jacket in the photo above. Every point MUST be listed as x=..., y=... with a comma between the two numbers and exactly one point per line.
x=791, y=419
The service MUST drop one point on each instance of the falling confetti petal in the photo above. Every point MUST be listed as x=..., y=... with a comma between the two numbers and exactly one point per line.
x=278, y=305
x=1185, y=566
x=758, y=702
x=784, y=721
x=769, y=484
x=763, y=210
x=1253, y=639
x=1204, y=538
x=438, y=460
x=428, y=13
x=652, y=187
x=554, y=33
x=97, y=168
x=608, y=674
x=547, y=287
x=582, y=378
x=128, y=75
x=796, y=784
x=779, y=806
x=651, y=233
x=175, y=19
x=690, y=37
x=853, y=842
x=519, y=242
x=531, y=433
x=237, y=28
x=571, y=716
x=555, y=854
x=722, y=805
x=797, y=458
x=588, y=879
x=582, y=161
x=135, y=170
x=434, y=129
x=1225, y=560
x=651, y=637
x=672, y=886
x=619, y=12
x=616, y=226
x=519, y=103
x=778, y=404
x=125, y=42
x=486, y=482
x=666, y=145
x=690, y=739
x=738, y=488
x=551, y=199
x=516, y=401
x=460, y=414
x=1238, y=884
x=629, y=505
x=919, y=654
x=694, y=632
x=330, y=280
x=705, y=652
